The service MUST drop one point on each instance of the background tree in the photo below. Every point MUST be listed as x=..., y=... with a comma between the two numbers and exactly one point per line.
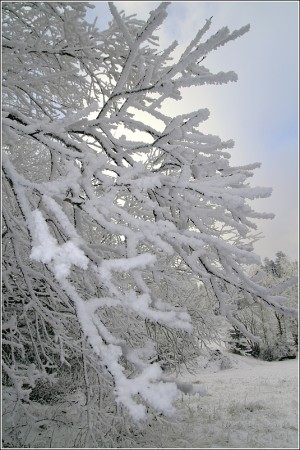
x=100, y=183
x=278, y=333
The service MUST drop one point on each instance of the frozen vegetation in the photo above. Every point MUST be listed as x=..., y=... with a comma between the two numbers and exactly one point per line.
x=127, y=241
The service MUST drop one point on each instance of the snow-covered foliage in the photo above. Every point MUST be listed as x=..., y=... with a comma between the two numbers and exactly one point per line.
x=100, y=185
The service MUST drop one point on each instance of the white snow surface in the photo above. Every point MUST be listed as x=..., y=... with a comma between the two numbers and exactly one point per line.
x=253, y=404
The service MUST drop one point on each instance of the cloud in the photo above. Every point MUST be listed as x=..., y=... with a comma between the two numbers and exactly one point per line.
x=141, y=9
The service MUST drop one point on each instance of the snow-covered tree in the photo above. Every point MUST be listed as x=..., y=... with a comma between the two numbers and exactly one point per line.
x=101, y=186
x=278, y=333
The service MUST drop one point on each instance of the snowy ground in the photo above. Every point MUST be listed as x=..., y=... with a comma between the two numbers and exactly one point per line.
x=250, y=404
x=254, y=404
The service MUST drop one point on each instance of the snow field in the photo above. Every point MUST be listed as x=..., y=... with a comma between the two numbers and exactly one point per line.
x=254, y=404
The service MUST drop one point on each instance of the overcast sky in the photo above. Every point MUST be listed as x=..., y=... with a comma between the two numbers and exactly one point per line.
x=260, y=111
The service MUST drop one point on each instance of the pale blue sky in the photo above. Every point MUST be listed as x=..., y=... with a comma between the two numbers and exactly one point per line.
x=260, y=111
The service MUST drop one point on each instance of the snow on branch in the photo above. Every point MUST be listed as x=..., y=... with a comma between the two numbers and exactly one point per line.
x=46, y=250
